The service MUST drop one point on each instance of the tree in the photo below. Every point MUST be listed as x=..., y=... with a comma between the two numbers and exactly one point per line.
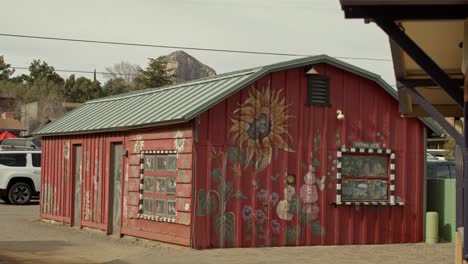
x=123, y=70
x=449, y=147
x=5, y=69
x=81, y=89
x=155, y=74
x=41, y=70
x=115, y=86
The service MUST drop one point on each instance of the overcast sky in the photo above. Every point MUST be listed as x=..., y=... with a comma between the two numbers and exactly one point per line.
x=287, y=26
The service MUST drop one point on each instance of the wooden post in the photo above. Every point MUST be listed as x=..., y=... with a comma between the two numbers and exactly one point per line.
x=465, y=161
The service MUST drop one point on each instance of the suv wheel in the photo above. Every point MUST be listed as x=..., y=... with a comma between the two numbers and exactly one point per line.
x=20, y=193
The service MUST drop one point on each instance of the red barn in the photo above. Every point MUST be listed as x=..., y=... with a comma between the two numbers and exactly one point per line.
x=311, y=151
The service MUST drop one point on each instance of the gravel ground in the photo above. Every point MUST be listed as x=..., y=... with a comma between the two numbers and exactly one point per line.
x=26, y=239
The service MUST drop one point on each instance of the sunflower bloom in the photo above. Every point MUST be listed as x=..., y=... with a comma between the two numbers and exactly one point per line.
x=260, y=125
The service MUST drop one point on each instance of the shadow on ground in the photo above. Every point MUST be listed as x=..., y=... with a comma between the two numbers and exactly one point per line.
x=31, y=246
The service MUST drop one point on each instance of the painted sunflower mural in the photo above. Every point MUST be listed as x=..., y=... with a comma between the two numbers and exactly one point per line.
x=260, y=125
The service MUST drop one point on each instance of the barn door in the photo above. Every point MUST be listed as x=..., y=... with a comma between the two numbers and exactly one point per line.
x=77, y=169
x=115, y=187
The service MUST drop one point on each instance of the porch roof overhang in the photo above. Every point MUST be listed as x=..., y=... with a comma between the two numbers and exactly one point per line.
x=439, y=28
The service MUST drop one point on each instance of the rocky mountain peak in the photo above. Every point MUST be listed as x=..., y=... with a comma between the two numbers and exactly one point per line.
x=186, y=67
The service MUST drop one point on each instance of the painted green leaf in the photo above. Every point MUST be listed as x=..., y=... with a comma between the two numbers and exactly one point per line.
x=337, y=134
x=249, y=225
x=230, y=228
x=330, y=185
x=350, y=137
x=211, y=203
x=261, y=236
x=292, y=234
x=338, y=142
x=226, y=191
x=225, y=227
x=303, y=165
x=311, y=154
x=316, y=163
x=216, y=174
x=239, y=195
x=294, y=204
x=330, y=156
x=201, y=202
x=274, y=177
x=303, y=219
x=248, y=238
x=317, y=229
x=260, y=229
x=256, y=184
x=315, y=149
x=233, y=155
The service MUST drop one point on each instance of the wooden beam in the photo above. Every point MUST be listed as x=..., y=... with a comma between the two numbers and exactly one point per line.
x=438, y=117
x=445, y=110
x=406, y=12
x=426, y=82
x=422, y=59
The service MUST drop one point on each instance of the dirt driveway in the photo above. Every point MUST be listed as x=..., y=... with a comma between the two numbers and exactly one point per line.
x=25, y=239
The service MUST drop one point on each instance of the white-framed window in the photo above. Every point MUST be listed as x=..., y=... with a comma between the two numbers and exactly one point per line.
x=365, y=176
x=158, y=172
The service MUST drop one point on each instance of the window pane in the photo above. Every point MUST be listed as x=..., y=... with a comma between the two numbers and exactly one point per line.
x=171, y=208
x=160, y=185
x=443, y=171
x=148, y=184
x=172, y=163
x=148, y=206
x=13, y=160
x=161, y=161
x=36, y=160
x=161, y=207
x=369, y=166
x=171, y=185
x=364, y=190
x=149, y=162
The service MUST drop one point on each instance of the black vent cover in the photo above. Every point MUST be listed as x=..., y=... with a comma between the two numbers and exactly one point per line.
x=318, y=90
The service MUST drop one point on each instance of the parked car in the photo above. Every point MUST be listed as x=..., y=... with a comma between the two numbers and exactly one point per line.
x=441, y=169
x=20, y=173
x=21, y=143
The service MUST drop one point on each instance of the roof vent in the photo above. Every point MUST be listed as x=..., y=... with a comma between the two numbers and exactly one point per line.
x=318, y=90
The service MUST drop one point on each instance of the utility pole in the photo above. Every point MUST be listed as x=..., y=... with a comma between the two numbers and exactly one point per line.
x=94, y=74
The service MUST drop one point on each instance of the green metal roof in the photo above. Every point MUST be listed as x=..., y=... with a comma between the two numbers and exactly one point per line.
x=181, y=102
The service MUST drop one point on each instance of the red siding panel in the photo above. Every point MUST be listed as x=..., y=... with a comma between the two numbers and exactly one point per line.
x=237, y=203
x=57, y=181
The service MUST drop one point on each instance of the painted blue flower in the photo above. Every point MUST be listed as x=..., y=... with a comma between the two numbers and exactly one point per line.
x=275, y=226
x=247, y=213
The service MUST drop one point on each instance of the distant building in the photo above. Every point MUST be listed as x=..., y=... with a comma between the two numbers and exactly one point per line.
x=36, y=114
x=9, y=123
x=7, y=104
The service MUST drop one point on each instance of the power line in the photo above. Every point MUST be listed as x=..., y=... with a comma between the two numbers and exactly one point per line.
x=179, y=47
x=78, y=71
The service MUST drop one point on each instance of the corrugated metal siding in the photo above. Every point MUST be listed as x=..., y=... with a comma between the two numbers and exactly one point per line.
x=371, y=115
x=57, y=179
x=57, y=192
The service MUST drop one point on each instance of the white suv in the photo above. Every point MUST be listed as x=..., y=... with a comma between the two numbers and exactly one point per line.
x=20, y=174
